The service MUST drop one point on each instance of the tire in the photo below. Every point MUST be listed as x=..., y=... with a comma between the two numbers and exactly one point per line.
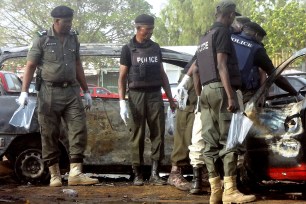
x=29, y=167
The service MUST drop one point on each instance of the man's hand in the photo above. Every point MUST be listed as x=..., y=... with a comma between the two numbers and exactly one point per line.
x=23, y=99
x=123, y=111
x=232, y=106
x=88, y=101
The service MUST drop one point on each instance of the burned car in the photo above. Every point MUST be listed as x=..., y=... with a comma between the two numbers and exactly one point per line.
x=106, y=150
x=276, y=143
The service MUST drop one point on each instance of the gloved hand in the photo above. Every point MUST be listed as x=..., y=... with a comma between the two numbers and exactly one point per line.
x=182, y=92
x=88, y=101
x=197, y=108
x=123, y=111
x=23, y=99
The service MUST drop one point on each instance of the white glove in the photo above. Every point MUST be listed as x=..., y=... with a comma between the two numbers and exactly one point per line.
x=123, y=111
x=182, y=93
x=88, y=101
x=23, y=99
x=197, y=108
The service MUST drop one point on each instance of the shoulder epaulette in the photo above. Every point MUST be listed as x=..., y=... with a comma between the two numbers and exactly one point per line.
x=74, y=32
x=42, y=33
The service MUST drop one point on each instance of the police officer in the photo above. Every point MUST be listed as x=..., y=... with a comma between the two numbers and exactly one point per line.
x=252, y=55
x=56, y=54
x=141, y=68
x=183, y=132
x=220, y=78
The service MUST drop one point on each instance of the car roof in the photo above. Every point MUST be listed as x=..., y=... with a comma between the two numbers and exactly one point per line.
x=95, y=49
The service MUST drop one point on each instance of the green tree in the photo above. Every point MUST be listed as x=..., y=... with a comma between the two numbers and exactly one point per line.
x=100, y=21
x=285, y=26
x=182, y=22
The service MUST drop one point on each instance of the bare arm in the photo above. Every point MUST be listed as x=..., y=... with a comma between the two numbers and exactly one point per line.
x=28, y=75
x=262, y=76
x=123, y=71
x=223, y=72
x=80, y=75
x=196, y=78
x=166, y=87
x=283, y=83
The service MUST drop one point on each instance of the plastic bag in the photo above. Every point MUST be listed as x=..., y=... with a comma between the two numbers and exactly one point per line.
x=170, y=121
x=239, y=128
x=22, y=117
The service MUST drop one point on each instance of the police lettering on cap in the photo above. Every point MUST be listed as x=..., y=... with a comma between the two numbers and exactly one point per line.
x=255, y=27
x=62, y=12
x=226, y=6
x=144, y=19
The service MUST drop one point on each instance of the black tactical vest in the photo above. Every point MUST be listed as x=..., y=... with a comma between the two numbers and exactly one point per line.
x=145, y=69
x=207, y=61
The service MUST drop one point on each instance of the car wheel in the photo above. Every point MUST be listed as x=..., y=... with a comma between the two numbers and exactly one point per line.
x=29, y=167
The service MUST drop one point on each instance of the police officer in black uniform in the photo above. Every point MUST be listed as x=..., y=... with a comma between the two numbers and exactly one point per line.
x=252, y=55
x=142, y=69
x=219, y=74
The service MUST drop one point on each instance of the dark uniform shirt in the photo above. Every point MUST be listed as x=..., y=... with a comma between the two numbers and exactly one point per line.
x=262, y=60
x=56, y=60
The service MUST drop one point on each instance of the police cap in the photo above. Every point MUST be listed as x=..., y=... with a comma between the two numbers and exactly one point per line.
x=255, y=27
x=227, y=6
x=144, y=19
x=62, y=12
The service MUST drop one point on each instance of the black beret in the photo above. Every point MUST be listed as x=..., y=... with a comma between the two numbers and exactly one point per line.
x=62, y=12
x=144, y=19
x=255, y=27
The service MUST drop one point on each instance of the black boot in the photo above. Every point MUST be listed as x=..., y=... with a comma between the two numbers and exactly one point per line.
x=138, y=179
x=154, y=178
x=196, y=183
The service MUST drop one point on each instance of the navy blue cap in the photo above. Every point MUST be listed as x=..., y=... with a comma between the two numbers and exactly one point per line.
x=62, y=12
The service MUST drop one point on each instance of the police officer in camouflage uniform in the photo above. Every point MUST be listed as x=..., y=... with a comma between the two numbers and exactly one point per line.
x=142, y=69
x=219, y=74
x=55, y=54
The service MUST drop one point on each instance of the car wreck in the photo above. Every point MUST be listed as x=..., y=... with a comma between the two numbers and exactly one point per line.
x=276, y=142
x=106, y=150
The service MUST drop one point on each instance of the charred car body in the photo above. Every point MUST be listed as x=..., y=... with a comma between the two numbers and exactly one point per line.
x=106, y=150
x=276, y=143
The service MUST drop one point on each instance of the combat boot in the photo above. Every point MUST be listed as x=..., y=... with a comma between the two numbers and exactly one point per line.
x=76, y=177
x=196, y=183
x=232, y=195
x=154, y=178
x=216, y=190
x=56, y=179
x=138, y=179
x=177, y=179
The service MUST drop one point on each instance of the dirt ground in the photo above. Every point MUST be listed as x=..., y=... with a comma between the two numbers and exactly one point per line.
x=117, y=191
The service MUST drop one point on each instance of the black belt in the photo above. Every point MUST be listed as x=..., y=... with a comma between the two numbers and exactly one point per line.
x=63, y=84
